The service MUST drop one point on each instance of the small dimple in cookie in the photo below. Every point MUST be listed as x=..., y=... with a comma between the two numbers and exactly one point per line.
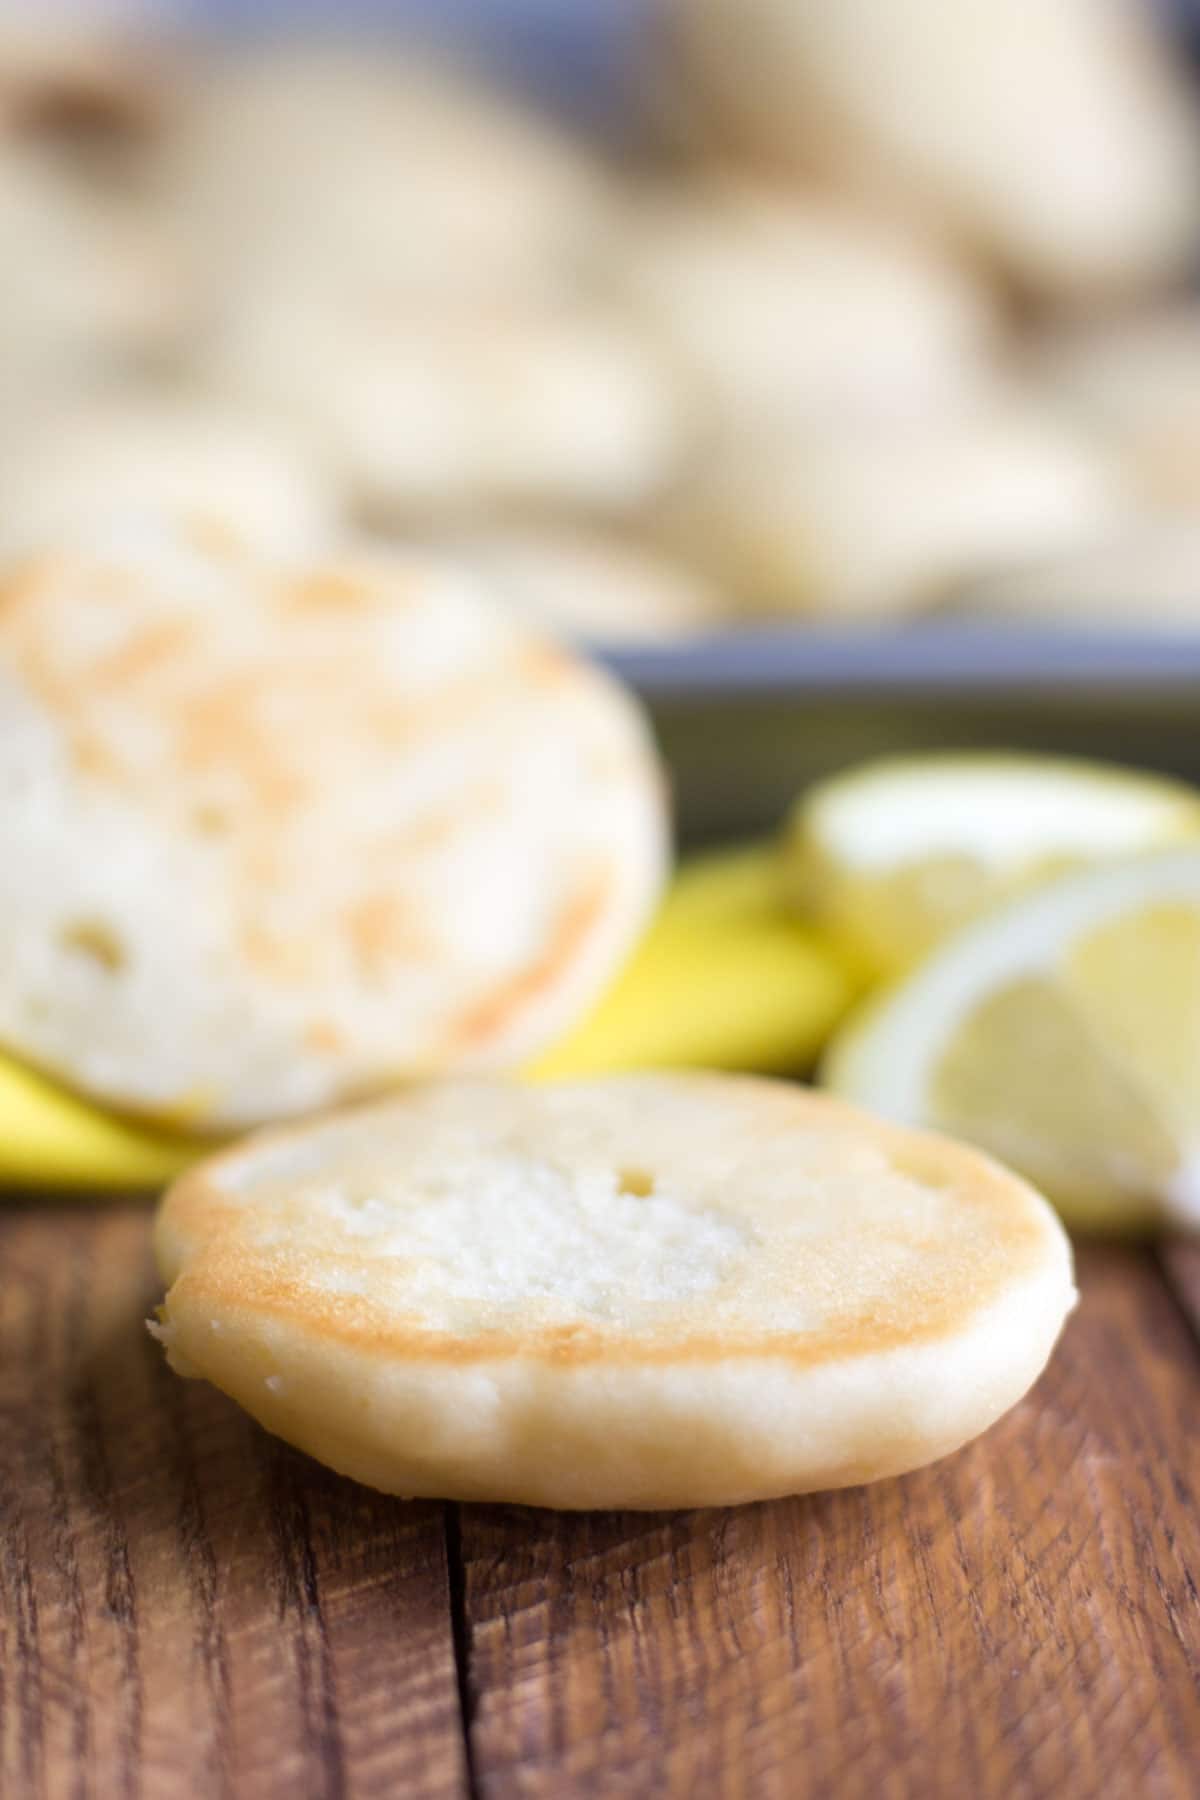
x=526, y=1229
x=641, y=1291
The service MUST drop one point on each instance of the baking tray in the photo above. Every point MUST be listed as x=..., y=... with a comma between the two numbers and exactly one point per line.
x=746, y=719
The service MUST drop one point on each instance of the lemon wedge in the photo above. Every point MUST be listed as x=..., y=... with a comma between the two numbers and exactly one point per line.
x=725, y=978
x=1062, y=1033
x=892, y=855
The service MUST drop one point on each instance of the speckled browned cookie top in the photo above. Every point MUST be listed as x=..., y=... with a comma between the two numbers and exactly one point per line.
x=275, y=833
x=711, y=1286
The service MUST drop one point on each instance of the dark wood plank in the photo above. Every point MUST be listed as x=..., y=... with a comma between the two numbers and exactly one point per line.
x=1180, y=1259
x=186, y=1607
x=1022, y=1619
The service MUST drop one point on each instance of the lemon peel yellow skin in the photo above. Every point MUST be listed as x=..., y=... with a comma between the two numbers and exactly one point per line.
x=1060, y=1032
x=724, y=978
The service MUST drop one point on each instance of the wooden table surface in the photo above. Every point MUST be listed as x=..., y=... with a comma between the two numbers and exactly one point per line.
x=188, y=1608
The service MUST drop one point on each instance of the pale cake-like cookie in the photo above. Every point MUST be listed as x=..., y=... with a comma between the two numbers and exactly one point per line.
x=881, y=519
x=131, y=452
x=601, y=587
x=276, y=834
x=1133, y=381
x=644, y=1291
x=1059, y=140
x=439, y=409
x=333, y=167
x=1144, y=579
x=788, y=309
x=93, y=279
x=67, y=70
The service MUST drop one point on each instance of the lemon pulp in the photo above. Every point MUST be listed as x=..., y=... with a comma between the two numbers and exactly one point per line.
x=1062, y=1033
x=892, y=856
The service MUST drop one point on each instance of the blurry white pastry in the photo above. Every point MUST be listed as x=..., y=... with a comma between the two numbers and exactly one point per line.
x=88, y=278
x=338, y=167
x=1143, y=579
x=879, y=521
x=592, y=585
x=1053, y=134
x=76, y=66
x=113, y=459
x=1135, y=382
x=789, y=308
x=441, y=408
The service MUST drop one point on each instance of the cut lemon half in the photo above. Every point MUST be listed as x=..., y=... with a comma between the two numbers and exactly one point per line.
x=893, y=855
x=726, y=978
x=1061, y=1033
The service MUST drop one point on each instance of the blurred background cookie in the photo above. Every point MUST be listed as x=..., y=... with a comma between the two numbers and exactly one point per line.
x=340, y=167
x=880, y=520
x=1134, y=382
x=1057, y=141
x=452, y=407
x=787, y=308
x=473, y=312
x=135, y=451
x=1150, y=573
x=79, y=73
x=598, y=586
x=90, y=281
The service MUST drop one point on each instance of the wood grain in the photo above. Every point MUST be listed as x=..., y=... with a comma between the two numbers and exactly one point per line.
x=1180, y=1260
x=1022, y=1619
x=186, y=1607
